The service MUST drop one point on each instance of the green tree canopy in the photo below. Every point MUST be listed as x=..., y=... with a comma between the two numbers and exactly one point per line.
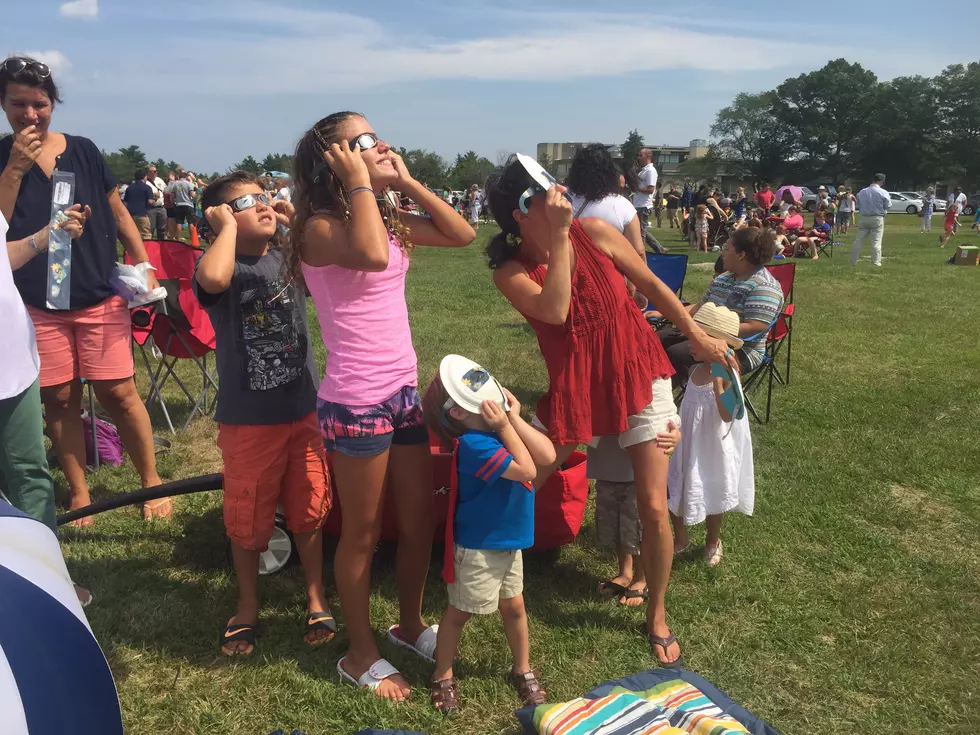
x=124, y=162
x=469, y=169
x=750, y=140
x=631, y=148
x=427, y=167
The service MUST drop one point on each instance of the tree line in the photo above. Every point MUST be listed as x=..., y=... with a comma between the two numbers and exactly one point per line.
x=426, y=166
x=840, y=122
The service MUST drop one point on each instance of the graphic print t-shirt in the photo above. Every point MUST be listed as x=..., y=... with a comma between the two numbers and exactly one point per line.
x=266, y=371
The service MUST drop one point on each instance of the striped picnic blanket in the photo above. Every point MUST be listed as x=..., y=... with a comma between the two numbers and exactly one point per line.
x=674, y=707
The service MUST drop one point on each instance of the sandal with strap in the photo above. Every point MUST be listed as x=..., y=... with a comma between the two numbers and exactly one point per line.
x=656, y=640
x=424, y=646
x=319, y=621
x=529, y=688
x=444, y=695
x=372, y=678
x=631, y=594
x=234, y=632
x=608, y=588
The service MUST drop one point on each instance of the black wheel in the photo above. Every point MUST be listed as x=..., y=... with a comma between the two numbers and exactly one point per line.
x=911, y=209
x=809, y=206
x=969, y=210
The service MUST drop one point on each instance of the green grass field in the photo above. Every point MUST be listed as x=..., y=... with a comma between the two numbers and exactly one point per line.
x=848, y=604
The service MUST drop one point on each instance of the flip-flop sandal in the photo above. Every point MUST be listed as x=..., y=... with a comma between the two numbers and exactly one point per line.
x=370, y=679
x=425, y=644
x=608, y=588
x=238, y=632
x=319, y=621
x=656, y=640
x=444, y=695
x=629, y=594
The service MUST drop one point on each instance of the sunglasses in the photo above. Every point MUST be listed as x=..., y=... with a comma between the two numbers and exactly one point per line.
x=247, y=201
x=14, y=66
x=364, y=141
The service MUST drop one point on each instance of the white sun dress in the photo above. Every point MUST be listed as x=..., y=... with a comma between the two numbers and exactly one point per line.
x=711, y=471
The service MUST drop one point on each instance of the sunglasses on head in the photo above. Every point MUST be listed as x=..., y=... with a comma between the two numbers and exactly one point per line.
x=247, y=201
x=15, y=66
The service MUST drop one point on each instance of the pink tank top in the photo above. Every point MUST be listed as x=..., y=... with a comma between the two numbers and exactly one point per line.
x=364, y=323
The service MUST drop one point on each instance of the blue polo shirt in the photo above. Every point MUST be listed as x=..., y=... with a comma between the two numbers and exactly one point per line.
x=93, y=255
x=137, y=195
x=491, y=512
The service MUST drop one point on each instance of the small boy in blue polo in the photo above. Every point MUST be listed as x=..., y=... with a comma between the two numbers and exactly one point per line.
x=490, y=522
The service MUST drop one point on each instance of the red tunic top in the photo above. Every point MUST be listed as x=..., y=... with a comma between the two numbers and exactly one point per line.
x=603, y=360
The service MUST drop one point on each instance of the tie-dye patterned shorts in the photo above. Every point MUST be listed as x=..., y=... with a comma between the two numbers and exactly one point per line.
x=365, y=431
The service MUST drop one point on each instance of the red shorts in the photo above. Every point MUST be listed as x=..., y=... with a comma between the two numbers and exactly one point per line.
x=268, y=466
x=94, y=343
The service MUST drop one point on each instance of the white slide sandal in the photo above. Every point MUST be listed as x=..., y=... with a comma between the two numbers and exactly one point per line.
x=425, y=645
x=372, y=678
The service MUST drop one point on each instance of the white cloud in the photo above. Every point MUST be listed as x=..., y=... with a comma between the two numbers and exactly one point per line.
x=79, y=9
x=56, y=61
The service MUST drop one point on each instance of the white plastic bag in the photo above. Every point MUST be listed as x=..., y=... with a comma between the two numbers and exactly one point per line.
x=130, y=282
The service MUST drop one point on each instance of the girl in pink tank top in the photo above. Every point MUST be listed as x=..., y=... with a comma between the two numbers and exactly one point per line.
x=351, y=247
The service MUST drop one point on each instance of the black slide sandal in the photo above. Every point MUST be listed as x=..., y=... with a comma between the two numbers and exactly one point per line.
x=319, y=621
x=238, y=632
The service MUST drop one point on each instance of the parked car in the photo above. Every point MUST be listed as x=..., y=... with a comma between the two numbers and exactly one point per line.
x=938, y=204
x=903, y=203
x=809, y=200
x=972, y=202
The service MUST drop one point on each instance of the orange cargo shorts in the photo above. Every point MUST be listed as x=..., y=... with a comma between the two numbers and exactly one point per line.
x=266, y=466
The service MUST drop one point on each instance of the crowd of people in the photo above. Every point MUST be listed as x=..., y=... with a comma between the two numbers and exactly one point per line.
x=570, y=261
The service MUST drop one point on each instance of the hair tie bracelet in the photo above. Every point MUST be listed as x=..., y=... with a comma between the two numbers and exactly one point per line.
x=356, y=189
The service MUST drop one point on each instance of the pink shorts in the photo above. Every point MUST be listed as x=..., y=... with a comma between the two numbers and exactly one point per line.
x=93, y=343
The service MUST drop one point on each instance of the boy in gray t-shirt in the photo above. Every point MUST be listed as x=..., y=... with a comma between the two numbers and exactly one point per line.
x=617, y=519
x=267, y=429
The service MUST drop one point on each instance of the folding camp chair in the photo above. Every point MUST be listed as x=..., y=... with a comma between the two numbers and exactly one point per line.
x=671, y=268
x=779, y=333
x=180, y=329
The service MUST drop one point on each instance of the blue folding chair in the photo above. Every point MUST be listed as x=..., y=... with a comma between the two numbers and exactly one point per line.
x=671, y=268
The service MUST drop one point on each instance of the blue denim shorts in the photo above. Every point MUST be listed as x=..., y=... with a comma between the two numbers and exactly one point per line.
x=366, y=431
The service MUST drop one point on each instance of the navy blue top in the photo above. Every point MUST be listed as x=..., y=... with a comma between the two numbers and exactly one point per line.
x=137, y=196
x=491, y=511
x=93, y=255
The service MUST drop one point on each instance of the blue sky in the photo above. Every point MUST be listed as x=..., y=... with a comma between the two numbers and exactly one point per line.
x=206, y=82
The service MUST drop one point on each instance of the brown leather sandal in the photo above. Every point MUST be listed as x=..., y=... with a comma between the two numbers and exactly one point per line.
x=528, y=688
x=444, y=695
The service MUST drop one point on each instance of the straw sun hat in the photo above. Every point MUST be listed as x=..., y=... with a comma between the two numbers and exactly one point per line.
x=720, y=322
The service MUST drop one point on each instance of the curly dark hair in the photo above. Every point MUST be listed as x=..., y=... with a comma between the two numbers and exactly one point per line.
x=593, y=175
x=326, y=194
x=504, y=188
x=758, y=245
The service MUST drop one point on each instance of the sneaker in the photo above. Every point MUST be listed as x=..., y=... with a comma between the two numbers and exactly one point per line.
x=713, y=555
x=716, y=248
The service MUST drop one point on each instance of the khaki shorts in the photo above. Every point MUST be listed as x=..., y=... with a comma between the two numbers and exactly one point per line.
x=484, y=577
x=652, y=420
x=617, y=519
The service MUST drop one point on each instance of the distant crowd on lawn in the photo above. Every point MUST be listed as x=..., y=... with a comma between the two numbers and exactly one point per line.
x=342, y=231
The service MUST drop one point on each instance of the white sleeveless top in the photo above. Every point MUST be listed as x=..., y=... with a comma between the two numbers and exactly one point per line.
x=615, y=209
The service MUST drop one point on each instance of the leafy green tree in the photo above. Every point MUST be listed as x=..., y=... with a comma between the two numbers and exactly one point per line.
x=958, y=98
x=631, y=148
x=828, y=111
x=902, y=138
x=248, y=164
x=702, y=169
x=750, y=141
x=428, y=167
x=469, y=169
x=277, y=162
x=124, y=162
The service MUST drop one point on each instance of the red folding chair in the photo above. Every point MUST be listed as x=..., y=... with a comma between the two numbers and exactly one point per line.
x=179, y=326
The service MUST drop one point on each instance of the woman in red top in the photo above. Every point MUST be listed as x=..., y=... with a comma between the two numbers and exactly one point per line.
x=608, y=373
